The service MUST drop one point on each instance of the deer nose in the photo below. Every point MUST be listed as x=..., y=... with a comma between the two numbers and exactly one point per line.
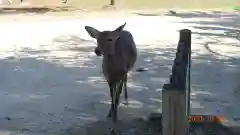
x=97, y=52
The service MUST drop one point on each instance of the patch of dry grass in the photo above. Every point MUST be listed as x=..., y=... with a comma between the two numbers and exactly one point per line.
x=52, y=6
x=140, y=4
x=97, y=8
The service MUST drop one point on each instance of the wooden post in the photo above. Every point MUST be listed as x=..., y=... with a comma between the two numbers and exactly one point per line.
x=112, y=2
x=175, y=96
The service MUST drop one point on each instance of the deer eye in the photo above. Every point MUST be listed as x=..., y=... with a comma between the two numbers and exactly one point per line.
x=109, y=40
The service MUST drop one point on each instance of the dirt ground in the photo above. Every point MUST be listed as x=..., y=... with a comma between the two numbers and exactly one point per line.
x=150, y=126
x=52, y=84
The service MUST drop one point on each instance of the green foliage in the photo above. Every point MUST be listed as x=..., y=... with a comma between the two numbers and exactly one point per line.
x=237, y=8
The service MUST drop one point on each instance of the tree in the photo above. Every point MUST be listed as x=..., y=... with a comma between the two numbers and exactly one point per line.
x=112, y=2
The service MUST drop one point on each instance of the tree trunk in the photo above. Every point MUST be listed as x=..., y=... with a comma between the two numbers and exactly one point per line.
x=112, y=2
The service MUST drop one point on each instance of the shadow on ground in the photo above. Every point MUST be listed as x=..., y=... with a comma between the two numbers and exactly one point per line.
x=148, y=127
x=148, y=95
x=208, y=84
x=221, y=29
x=192, y=14
x=218, y=33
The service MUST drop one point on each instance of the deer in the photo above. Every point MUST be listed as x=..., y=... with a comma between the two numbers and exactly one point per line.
x=124, y=81
x=119, y=56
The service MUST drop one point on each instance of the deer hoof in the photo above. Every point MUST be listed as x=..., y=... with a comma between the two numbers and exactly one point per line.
x=141, y=69
x=109, y=115
x=125, y=103
x=97, y=52
x=113, y=131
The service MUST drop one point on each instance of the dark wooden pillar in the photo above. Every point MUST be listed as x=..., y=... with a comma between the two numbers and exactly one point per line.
x=176, y=93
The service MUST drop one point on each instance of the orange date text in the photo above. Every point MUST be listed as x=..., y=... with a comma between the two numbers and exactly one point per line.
x=204, y=119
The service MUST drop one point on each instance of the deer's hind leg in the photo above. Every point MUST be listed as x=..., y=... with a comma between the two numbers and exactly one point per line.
x=125, y=89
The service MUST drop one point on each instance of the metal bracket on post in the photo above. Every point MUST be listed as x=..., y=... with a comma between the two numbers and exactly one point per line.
x=175, y=96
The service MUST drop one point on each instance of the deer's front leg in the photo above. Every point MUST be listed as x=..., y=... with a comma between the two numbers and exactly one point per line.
x=112, y=101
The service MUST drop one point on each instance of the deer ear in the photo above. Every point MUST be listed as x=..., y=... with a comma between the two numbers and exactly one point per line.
x=92, y=31
x=120, y=28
